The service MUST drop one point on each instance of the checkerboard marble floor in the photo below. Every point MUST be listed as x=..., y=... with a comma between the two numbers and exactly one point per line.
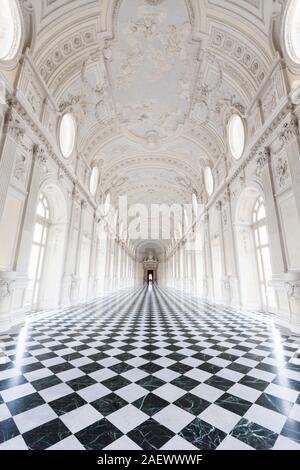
x=149, y=369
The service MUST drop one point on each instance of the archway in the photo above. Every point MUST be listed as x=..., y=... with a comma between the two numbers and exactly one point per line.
x=253, y=251
x=47, y=253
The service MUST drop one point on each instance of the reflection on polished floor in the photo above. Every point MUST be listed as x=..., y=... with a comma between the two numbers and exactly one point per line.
x=149, y=369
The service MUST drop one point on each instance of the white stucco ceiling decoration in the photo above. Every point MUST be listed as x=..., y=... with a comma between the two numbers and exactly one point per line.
x=154, y=67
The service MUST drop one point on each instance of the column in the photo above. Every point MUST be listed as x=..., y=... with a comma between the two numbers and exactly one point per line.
x=225, y=286
x=12, y=133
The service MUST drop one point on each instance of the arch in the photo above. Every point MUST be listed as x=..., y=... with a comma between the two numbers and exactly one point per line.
x=51, y=266
x=253, y=250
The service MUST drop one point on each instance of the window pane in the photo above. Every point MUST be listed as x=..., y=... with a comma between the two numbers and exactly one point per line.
x=267, y=263
x=261, y=214
x=41, y=263
x=256, y=237
x=260, y=270
x=37, y=235
x=263, y=235
x=33, y=261
x=263, y=294
x=44, y=235
x=40, y=210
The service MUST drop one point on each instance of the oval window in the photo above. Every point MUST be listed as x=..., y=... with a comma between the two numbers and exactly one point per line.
x=107, y=204
x=236, y=136
x=94, y=180
x=67, y=135
x=10, y=29
x=292, y=31
x=208, y=180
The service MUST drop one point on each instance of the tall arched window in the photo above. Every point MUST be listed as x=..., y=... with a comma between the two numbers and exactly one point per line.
x=38, y=249
x=262, y=248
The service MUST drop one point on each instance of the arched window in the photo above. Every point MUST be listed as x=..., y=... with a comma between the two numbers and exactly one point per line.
x=10, y=29
x=37, y=256
x=67, y=135
x=262, y=248
x=236, y=136
x=292, y=31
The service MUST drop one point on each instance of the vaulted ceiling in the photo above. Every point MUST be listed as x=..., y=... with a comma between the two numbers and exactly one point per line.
x=152, y=83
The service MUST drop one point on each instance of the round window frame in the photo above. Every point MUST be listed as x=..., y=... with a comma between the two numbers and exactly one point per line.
x=11, y=61
x=71, y=153
x=229, y=140
x=209, y=193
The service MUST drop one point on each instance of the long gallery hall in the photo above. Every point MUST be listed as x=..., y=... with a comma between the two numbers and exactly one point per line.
x=149, y=225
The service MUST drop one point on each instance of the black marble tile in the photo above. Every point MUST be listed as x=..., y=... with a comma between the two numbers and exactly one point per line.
x=151, y=435
x=81, y=382
x=92, y=367
x=8, y=430
x=22, y=404
x=121, y=367
x=150, y=404
x=98, y=356
x=275, y=404
x=233, y=403
x=45, y=436
x=254, y=435
x=176, y=356
x=285, y=382
x=192, y=403
x=150, y=356
x=67, y=403
x=228, y=357
x=61, y=367
x=291, y=429
x=238, y=368
x=219, y=382
x=202, y=357
x=150, y=367
x=211, y=368
x=45, y=356
x=46, y=382
x=13, y=382
x=6, y=366
x=116, y=382
x=150, y=383
x=124, y=356
x=202, y=435
x=180, y=368
x=184, y=382
x=31, y=367
x=253, y=382
x=98, y=435
x=109, y=404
